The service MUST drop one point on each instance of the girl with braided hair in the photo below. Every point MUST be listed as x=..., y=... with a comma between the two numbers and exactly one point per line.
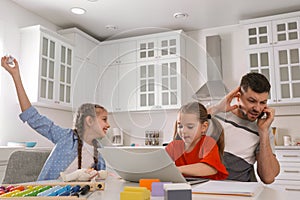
x=74, y=148
x=198, y=143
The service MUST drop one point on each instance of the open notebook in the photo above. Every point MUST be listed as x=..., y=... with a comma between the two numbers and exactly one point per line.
x=135, y=163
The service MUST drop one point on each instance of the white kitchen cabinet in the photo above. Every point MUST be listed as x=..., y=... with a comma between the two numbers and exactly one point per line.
x=272, y=49
x=289, y=160
x=84, y=83
x=259, y=34
x=116, y=88
x=119, y=84
x=117, y=80
x=47, y=61
x=160, y=84
x=159, y=46
x=106, y=88
x=286, y=31
x=161, y=71
x=86, y=67
x=85, y=46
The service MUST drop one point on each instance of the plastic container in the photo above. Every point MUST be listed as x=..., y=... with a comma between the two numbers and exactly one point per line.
x=30, y=144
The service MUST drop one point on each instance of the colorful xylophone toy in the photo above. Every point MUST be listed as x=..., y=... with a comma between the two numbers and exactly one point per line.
x=54, y=190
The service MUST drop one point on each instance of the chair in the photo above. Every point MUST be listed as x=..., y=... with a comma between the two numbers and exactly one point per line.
x=25, y=166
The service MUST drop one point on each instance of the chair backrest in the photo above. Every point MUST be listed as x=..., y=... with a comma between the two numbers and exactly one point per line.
x=25, y=166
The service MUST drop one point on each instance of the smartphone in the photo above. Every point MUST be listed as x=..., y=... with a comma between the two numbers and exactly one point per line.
x=261, y=115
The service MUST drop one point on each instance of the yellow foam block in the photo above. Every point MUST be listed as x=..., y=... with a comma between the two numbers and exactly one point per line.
x=143, y=190
x=134, y=195
x=148, y=183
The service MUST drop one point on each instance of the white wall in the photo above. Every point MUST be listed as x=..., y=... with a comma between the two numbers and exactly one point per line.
x=13, y=17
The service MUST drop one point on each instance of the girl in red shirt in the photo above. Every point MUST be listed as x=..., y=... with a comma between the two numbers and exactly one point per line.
x=198, y=143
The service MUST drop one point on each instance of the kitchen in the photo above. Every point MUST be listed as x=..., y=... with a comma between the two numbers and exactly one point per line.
x=136, y=123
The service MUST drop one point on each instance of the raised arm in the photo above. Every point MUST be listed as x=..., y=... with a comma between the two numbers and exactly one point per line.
x=15, y=73
x=267, y=164
x=225, y=104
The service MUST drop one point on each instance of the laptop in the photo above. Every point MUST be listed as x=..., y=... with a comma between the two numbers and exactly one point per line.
x=135, y=163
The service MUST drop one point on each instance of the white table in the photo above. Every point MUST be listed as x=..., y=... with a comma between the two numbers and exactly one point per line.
x=113, y=187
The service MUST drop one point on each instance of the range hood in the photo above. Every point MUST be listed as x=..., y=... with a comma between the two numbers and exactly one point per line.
x=214, y=88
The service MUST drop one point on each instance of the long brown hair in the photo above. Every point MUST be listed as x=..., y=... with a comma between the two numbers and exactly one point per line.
x=215, y=129
x=84, y=111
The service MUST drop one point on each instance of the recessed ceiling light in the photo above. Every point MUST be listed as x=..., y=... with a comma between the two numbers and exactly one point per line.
x=180, y=15
x=111, y=27
x=78, y=11
x=92, y=0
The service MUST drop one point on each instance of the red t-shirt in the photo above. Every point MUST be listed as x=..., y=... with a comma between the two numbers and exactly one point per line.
x=205, y=151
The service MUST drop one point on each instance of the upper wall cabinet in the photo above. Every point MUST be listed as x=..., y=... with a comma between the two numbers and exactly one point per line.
x=158, y=47
x=47, y=61
x=273, y=49
x=117, y=79
x=161, y=71
x=142, y=73
x=86, y=67
x=274, y=32
x=131, y=74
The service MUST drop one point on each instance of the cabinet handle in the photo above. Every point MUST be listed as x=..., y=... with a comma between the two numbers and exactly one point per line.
x=290, y=156
x=292, y=189
x=291, y=171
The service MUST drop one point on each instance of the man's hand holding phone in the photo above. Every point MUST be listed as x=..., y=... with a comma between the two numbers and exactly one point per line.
x=266, y=118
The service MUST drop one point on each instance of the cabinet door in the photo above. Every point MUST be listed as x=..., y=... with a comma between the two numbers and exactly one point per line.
x=259, y=35
x=107, y=89
x=168, y=47
x=84, y=83
x=147, y=49
x=261, y=61
x=127, y=52
x=169, y=87
x=287, y=63
x=127, y=86
x=147, y=89
x=65, y=74
x=47, y=69
x=108, y=54
x=286, y=31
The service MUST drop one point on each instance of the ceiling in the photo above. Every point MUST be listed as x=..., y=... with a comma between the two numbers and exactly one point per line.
x=135, y=17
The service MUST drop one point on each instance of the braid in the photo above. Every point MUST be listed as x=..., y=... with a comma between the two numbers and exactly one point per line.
x=79, y=149
x=95, y=144
x=84, y=111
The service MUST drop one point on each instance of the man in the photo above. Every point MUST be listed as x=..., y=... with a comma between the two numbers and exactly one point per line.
x=247, y=125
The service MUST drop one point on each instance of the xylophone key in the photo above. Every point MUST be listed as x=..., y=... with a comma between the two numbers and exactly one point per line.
x=45, y=193
x=26, y=191
x=36, y=192
x=9, y=194
x=60, y=190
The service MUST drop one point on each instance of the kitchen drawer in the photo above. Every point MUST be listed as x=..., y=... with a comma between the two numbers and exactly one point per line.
x=289, y=171
x=288, y=155
x=286, y=185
